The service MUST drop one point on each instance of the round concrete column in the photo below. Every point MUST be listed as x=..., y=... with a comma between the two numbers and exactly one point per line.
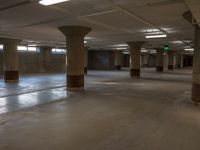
x=196, y=67
x=45, y=58
x=11, y=59
x=75, y=55
x=135, y=50
x=86, y=60
x=159, y=60
x=118, y=60
x=171, y=60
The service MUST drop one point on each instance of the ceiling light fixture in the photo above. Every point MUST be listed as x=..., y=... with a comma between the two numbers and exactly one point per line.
x=121, y=48
x=51, y=2
x=189, y=49
x=156, y=36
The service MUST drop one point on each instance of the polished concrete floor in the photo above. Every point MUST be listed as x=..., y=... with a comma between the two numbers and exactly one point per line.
x=115, y=112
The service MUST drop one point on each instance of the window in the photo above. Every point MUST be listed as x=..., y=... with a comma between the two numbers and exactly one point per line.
x=32, y=49
x=27, y=49
x=22, y=48
x=58, y=51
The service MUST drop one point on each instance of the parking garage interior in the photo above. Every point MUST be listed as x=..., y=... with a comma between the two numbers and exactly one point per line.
x=99, y=75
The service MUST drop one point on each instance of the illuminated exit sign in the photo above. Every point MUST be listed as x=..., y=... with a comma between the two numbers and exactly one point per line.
x=166, y=48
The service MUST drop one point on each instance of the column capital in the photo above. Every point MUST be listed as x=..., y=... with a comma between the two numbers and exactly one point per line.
x=74, y=30
x=4, y=40
x=135, y=44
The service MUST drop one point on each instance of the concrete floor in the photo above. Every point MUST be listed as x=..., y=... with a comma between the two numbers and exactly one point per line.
x=113, y=113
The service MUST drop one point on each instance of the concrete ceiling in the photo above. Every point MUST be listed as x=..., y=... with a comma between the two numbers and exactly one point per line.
x=194, y=6
x=113, y=21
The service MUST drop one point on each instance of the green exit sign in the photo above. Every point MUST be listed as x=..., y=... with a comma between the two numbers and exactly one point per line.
x=166, y=48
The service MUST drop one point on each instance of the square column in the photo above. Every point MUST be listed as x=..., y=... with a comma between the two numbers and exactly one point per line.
x=11, y=59
x=159, y=60
x=45, y=58
x=86, y=60
x=171, y=60
x=196, y=67
x=118, y=60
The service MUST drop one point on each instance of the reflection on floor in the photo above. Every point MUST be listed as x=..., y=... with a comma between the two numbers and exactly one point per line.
x=115, y=112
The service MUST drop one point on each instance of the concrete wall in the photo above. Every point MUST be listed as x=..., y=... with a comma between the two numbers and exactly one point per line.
x=101, y=60
x=30, y=62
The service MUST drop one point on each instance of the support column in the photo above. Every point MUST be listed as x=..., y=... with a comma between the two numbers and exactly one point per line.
x=75, y=55
x=179, y=60
x=146, y=60
x=118, y=60
x=135, y=50
x=45, y=58
x=196, y=67
x=159, y=60
x=196, y=59
x=86, y=60
x=11, y=59
x=171, y=60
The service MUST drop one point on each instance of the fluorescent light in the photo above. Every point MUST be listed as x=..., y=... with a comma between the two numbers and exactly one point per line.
x=51, y=2
x=121, y=45
x=156, y=36
x=121, y=48
x=189, y=49
x=126, y=52
x=32, y=45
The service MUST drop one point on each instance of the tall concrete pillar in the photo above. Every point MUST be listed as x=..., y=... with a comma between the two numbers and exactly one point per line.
x=75, y=55
x=11, y=59
x=86, y=60
x=159, y=60
x=171, y=60
x=146, y=59
x=118, y=60
x=196, y=58
x=135, y=50
x=196, y=67
x=45, y=58
x=179, y=60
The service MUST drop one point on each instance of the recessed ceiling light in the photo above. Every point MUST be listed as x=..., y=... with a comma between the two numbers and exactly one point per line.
x=156, y=36
x=51, y=2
